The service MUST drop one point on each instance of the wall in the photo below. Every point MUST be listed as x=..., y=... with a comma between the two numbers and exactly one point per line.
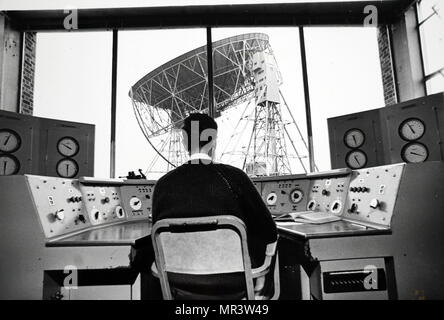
x=28, y=71
x=385, y=57
x=10, y=58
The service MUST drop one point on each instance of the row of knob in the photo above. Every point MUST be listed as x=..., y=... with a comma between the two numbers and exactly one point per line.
x=359, y=189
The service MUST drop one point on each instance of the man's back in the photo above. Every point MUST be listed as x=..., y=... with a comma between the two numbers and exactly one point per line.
x=197, y=190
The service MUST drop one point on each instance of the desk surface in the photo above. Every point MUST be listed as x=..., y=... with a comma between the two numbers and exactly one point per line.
x=340, y=228
x=126, y=233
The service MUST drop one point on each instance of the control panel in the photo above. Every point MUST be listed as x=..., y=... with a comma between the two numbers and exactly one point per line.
x=328, y=194
x=137, y=200
x=286, y=194
x=372, y=194
x=59, y=204
x=102, y=203
x=66, y=206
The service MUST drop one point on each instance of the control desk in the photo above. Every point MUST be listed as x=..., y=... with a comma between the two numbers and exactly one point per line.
x=387, y=241
x=52, y=226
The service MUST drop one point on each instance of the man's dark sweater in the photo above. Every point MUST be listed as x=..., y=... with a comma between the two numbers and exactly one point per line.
x=198, y=190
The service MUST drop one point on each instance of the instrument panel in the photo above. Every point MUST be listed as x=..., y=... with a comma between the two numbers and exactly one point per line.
x=366, y=195
x=67, y=206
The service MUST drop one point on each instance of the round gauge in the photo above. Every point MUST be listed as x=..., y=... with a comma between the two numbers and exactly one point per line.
x=271, y=198
x=67, y=168
x=9, y=165
x=9, y=140
x=354, y=138
x=68, y=147
x=356, y=159
x=296, y=196
x=135, y=203
x=411, y=129
x=414, y=152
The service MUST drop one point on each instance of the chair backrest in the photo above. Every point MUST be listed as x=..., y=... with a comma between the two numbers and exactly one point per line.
x=201, y=246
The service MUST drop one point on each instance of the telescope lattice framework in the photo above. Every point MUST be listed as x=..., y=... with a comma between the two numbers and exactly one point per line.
x=169, y=93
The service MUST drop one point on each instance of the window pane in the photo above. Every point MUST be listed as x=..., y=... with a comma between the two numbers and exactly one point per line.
x=73, y=83
x=344, y=77
x=141, y=53
x=274, y=71
x=432, y=34
x=435, y=84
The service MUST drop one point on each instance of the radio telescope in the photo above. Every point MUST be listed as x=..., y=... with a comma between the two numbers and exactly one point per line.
x=246, y=93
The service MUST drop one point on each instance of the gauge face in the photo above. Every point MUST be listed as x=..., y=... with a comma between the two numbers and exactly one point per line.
x=411, y=129
x=271, y=198
x=135, y=203
x=67, y=168
x=68, y=147
x=354, y=138
x=8, y=165
x=9, y=140
x=415, y=152
x=356, y=159
x=296, y=196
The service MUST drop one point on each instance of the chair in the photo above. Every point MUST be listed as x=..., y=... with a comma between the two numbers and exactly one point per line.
x=188, y=250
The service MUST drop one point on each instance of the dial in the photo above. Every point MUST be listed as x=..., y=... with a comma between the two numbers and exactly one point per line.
x=354, y=138
x=356, y=159
x=68, y=147
x=67, y=168
x=411, y=129
x=9, y=165
x=135, y=203
x=9, y=140
x=296, y=196
x=271, y=198
x=415, y=152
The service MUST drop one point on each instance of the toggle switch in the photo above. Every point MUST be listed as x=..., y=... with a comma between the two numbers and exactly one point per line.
x=59, y=215
x=374, y=203
x=353, y=208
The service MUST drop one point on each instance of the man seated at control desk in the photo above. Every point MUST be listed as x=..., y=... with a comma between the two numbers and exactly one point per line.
x=201, y=187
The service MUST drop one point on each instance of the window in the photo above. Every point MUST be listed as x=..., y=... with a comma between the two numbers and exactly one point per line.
x=344, y=77
x=73, y=83
x=141, y=53
x=431, y=20
x=280, y=149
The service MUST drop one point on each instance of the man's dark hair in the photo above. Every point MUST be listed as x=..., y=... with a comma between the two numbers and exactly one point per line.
x=204, y=121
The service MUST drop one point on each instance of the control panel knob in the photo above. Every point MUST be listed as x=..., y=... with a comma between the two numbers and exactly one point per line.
x=95, y=214
x=374, y=203
x=365, y=189
x=119, y=212
x=81, y=218
x=325, y=192
x=105, y=200
x=59, y=215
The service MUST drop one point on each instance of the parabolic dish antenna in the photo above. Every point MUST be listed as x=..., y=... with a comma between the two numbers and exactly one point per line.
x=245, y=74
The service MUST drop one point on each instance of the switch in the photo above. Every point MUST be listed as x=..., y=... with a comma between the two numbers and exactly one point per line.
x=105, y=200
x=283, y=192
x=59, y=215
x=81, y=218
x=325, y=192
x=353, y=208
x=374, y=203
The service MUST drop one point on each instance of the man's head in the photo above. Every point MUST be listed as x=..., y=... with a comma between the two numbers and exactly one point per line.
x=199, y=133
